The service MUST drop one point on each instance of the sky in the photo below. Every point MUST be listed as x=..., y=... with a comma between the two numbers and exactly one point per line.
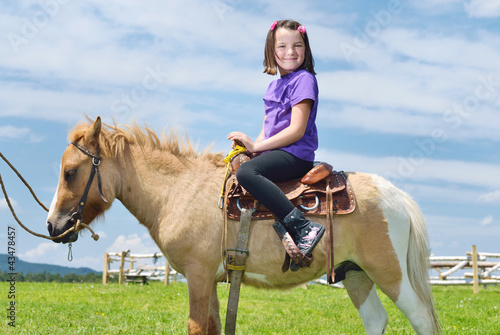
x=409, y=90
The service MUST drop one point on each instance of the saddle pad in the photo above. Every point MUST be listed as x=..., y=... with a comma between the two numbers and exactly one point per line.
x=310, y=199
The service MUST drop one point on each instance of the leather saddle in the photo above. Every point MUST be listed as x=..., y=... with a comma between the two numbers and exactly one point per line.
x=321, y=191
x=308, y=193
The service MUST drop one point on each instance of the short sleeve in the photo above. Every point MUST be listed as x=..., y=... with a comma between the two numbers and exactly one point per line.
x=305, y=87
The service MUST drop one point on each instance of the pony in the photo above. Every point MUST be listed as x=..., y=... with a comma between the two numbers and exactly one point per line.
x=173, y=189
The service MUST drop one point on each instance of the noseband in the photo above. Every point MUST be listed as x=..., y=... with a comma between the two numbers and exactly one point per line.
x=96, y=161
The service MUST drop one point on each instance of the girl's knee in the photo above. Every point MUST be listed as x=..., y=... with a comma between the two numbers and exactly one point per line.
x=244, y=173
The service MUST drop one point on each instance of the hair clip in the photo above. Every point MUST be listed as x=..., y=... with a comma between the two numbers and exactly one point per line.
x=274, y=25
x=301, y=29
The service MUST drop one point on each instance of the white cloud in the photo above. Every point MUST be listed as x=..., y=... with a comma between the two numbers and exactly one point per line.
x=409, y=78
x=415, y=81
x=422, y=45
x=438, y=193
x=487, y=220
x=377, y=120
x=435, y=3
x=417, y=166
x=102, y=234
x=384, y=89
x=43, y=249
x=491, y=197
x=53, y=253
x=482, y=8
x=455, y=235
x=106, y=49
x=4, y=206
x=11, y=132
x=135, y=243
x=110, y=43
x=19, y=133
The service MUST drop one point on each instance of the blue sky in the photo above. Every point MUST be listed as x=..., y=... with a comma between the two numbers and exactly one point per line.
x=409, y=90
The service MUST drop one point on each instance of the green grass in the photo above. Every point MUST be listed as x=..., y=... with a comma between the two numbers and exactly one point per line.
x=63, y=308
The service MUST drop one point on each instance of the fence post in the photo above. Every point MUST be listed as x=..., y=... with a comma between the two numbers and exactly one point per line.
x=475, y=274
x=167, y=272
x=105, y=271
x=122, y=261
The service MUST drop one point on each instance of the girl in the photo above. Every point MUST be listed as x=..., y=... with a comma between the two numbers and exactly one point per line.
x=288, y=138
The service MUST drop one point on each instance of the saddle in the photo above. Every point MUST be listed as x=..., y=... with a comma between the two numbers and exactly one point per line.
x=321, y=191
x=308, y=193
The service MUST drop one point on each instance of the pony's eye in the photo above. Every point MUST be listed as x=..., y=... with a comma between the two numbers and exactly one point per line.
x=68, y=174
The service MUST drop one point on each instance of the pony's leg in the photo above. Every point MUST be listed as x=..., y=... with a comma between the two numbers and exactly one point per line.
x=413, y=308
x=201, y=318
x=214, y=324
x=364, y=296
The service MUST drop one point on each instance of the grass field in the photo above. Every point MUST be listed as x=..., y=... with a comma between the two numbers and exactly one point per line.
x=63, y=308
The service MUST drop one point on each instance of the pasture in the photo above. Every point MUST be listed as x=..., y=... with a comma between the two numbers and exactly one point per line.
x=73, y=308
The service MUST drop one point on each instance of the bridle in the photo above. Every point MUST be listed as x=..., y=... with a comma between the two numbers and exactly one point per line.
x=96, y=161
x=75, y=216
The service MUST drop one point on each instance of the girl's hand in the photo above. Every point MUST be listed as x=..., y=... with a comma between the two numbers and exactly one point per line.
x=239, y=136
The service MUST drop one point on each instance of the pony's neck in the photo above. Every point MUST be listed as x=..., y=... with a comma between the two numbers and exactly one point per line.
x=151, y=181
x=143, y=183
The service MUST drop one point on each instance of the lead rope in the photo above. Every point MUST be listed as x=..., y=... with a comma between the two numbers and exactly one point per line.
x=24, y=181
x=7, y=200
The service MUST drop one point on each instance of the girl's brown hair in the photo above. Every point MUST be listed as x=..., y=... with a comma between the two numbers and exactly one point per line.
x=270, y=66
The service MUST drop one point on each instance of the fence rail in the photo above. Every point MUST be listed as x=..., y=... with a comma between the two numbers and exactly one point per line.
x=483, y=269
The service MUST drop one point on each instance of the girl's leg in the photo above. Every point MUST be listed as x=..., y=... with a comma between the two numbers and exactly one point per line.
x=258, y=176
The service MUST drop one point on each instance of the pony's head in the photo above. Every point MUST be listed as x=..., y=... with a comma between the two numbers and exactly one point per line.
x=79, y=194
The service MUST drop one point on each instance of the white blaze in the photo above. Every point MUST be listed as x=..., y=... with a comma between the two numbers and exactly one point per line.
x=54, y=201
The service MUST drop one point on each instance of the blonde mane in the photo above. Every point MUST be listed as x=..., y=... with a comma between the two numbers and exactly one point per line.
x=114, y=139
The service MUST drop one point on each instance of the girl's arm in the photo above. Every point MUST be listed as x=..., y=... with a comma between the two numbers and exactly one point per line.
x=289, y=135
x=262, y=134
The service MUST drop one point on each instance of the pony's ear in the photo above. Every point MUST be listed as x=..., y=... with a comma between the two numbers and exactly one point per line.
x=92, y=135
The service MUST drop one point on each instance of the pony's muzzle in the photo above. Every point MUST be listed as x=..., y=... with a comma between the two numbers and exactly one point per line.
x=55, y=229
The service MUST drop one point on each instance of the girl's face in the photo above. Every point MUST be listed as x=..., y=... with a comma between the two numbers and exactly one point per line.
x=289, y=50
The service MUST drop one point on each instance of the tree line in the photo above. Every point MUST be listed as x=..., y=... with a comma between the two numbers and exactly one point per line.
x=53, y=277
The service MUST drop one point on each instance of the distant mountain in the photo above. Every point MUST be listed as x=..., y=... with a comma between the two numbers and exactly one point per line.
x=27, y=267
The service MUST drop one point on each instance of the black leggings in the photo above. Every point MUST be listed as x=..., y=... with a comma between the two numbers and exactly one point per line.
x=259, y=174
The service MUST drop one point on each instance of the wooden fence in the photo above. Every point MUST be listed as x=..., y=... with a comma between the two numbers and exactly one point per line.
x=136, y=271
x=484, y=270
x=450, y=269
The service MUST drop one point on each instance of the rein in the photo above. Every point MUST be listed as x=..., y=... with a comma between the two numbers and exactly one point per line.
x=76, y=216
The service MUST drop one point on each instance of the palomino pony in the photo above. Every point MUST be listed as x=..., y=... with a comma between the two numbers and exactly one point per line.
x=174, y=190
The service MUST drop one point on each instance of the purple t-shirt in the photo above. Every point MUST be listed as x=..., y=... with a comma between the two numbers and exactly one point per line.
x=284, y=93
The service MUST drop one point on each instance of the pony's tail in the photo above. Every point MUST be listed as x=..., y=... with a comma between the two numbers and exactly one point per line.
x=418, y=260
